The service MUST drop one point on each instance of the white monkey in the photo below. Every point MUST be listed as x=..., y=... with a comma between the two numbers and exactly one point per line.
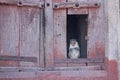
x=74, y=49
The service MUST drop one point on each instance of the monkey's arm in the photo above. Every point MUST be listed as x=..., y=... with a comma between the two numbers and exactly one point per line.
x=77, y=49
x=70, y=52
x=70, y=49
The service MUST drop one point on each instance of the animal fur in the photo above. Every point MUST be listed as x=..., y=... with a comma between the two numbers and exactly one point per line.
x=74, y=49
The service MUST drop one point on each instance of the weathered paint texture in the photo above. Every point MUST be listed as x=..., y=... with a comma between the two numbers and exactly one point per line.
x=112, y=69
x=96, y=31
x=30, y=31
x=60, y=32
x=112, y=38
x=49, y=48
x=9, y=33
x=78, y=11
x=19, y=33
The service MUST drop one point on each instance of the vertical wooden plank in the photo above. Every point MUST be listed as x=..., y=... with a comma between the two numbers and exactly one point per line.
x=100, y=30
x=60, y=32
x=40, y=22
x=40, y=19
x=96, y=31
x=29, y=34
x=9, y=33
x=60, y=51
x=49, y=34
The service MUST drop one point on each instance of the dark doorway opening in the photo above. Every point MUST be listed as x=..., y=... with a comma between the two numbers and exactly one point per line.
x=77, y=29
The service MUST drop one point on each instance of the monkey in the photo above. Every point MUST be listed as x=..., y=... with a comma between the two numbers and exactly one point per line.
x=74, y=49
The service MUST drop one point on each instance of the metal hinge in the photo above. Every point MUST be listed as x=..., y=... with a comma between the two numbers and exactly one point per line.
x=76, y=5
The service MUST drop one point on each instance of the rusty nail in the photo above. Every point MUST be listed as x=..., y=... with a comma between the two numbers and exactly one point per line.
x=59, y=34
x=77, y=4
x=55, y=5
x=48, y=4
x=86, y=64
x=42, y=5
x=20, y=70
x=19, y=2
x=96, y=4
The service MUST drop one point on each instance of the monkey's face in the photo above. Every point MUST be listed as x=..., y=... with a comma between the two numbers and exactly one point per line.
x=73, y=42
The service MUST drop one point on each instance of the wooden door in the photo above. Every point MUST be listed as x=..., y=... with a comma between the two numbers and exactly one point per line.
x=92, y=40
x=21, y=42
x=9, y=36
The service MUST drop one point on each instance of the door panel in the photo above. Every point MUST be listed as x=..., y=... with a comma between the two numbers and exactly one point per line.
x=29, y=34
x=9, y=33
x=21, y=33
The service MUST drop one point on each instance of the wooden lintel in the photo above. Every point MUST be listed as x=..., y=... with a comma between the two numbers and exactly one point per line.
x=81, y=60
x=22, y=3
x=75, y=5
x=17, y=58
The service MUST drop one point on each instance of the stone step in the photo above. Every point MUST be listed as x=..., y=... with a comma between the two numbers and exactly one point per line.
x=58, y=73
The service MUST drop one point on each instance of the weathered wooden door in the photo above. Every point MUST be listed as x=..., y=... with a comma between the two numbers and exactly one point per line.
x=21, y=38
x=83, y=13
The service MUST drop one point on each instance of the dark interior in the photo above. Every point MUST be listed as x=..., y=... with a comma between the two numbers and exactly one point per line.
x=77, y=29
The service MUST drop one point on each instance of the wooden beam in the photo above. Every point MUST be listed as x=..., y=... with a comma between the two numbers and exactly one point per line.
x=80, y=74
x=49, y=52
x=36, y=69
x=17, y=58
x=20, y=69
x=22, y=3
x=17, y=74
x=75, y=5
x=81, y=60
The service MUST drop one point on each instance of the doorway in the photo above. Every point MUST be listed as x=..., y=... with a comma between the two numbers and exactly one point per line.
x=77, y=29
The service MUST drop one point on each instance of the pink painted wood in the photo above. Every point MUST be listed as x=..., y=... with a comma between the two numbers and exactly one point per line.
x=20, y=32
x=49, y=49
x=28, y=3
x=9, y=33
x=78, y=10
x=29, y=34
x=96, y=31
x=60, y=33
